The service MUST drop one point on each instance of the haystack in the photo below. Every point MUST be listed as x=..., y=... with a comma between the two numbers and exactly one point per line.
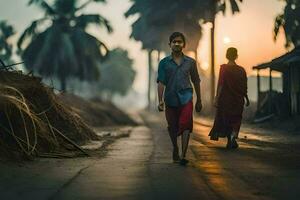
x=33, y=121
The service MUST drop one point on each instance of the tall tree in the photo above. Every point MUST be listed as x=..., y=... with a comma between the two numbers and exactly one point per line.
x=117, y=73
x=158, y=19
x=289, y=20
x=64, y=49
x=6, y=48
x=213, y=7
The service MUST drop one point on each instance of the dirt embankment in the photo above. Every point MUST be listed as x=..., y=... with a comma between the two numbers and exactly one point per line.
x=96, y=112
x=34, y=121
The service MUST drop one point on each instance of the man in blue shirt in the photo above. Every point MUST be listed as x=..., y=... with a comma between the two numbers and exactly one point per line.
x=175, y=74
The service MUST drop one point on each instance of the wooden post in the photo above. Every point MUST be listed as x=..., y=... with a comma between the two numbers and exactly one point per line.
x=270, y=91
x=270, y=80
x=258, y=89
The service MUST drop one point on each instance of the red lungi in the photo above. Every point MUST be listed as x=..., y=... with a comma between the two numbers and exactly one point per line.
x=180, y=118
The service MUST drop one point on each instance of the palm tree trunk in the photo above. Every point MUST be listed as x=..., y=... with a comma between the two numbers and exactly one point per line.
x=149, y=77
x=212, y=73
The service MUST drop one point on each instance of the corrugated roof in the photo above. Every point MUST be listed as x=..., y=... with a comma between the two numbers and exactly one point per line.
x=281, y=62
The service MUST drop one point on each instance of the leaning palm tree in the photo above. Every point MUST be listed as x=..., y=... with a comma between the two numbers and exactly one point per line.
x=64, y=49
x=289, y=20
x=6, y=49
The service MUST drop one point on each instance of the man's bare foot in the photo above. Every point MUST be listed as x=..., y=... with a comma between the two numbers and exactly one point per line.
x=176, y=157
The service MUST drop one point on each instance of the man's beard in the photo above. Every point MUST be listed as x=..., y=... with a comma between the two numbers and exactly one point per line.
x=177, y=49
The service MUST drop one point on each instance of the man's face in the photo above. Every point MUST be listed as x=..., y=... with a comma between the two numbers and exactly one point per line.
x=177, y=44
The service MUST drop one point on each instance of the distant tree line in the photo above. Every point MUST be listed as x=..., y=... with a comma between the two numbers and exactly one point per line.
x=58, y=45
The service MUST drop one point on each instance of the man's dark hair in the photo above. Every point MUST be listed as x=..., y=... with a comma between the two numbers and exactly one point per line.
x=175, y=35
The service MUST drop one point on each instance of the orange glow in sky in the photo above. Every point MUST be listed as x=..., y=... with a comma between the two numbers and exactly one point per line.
x=250, y=31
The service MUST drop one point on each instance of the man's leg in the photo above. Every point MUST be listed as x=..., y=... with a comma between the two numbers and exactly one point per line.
x=172, y=119
x=229, y=143
x=185, y=127
x=173, y=137
x=236, y=124
x=234, y=143
x=184, y=144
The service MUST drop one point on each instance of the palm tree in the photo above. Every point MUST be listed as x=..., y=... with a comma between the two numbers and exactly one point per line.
x=289, y=20
x=64, y=49
x=213, y=7
x=158, y=19
x=144, y=31
x=6, y=49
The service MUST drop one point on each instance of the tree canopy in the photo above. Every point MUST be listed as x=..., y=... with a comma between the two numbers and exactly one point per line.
x=64, y=48
x=158, y=19
x=289, y=20
x=117, y=73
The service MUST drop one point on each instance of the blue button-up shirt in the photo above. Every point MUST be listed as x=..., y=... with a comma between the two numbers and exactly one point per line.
x=177, y=79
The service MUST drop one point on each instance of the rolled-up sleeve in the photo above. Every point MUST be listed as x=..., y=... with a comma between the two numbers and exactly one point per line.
x=161, y=75
x=194, y=74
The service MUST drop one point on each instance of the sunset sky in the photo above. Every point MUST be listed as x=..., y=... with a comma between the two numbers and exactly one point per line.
x=251, y=31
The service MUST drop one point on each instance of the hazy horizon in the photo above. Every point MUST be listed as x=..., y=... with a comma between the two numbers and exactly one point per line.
x=251, y=31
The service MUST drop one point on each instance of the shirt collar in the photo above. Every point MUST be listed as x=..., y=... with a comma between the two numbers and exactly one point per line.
x=170, y=57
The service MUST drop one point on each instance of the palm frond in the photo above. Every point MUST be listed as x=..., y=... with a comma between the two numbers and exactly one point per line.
x=132, y=11
x=32, y=51
x=222, y=7
x=279, y=22
x=89, y=54
x=30, y=32
x=88, y=2
x=6, y=48
x=234, y=6
x=47, y=8
x=34, y=1
x=84, y=20
x=6, y=29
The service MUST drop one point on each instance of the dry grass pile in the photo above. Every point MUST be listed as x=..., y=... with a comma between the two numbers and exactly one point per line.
x=33, y=121
x=96, y=112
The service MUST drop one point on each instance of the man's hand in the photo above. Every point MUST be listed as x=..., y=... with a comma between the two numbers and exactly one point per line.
x=198, y=106
x=161, y=106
